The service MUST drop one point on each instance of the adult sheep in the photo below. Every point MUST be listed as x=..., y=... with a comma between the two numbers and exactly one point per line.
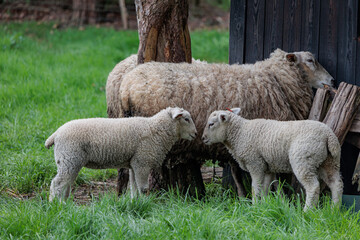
x=114, y=81
x=138, y=143
x=309, y=149
x=279, y=87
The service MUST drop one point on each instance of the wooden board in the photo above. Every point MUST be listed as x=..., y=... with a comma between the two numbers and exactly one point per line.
x=292, y=25
x=237, y=31
x=274, y=18
x=343, y=110
x=254, y=38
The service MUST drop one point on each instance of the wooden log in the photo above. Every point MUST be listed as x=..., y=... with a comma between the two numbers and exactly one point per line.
x=343, y=110
x=320, y=105
x=356, y=175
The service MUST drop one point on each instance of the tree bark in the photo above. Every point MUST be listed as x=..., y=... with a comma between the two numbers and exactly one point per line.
x=163, y=31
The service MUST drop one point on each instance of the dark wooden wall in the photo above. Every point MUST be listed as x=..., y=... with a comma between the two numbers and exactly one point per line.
x=330, y=29
x=327, y=28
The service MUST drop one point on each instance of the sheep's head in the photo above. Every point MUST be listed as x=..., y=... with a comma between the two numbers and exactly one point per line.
x=311, y=70
x=215, y=129
x=186, y=129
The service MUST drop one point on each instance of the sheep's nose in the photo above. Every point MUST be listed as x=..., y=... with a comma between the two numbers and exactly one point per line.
x=195, y=134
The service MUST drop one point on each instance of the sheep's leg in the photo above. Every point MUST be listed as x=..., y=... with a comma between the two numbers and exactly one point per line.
x=331, y=176
x=61, y=185
x=256, y=182
x=133, y=188
x=141, y=172
x=268, y=179
x=308, y=177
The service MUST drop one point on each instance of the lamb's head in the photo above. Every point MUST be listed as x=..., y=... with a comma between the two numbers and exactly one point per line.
x=186, y=126
x=215, y=129
x=310, y=69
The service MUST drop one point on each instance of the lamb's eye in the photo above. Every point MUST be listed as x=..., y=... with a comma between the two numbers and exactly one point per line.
x=310, y=60
x=211, y=124
x=187, y=120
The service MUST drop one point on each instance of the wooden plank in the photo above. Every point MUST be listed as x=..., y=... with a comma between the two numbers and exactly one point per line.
x=274, y=18
x=292, y=25
x=237, y=31
x=320, y=105
x=254, y=39
x=311, y=23
x=357, y=65
x=343, y=110
x=346, y=69
x=328, y=35
x=356, y=174
x=355, y=127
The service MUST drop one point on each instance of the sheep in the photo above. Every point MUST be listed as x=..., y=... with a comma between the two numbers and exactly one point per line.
x=138, y=143
x=307, y=148
x=279, y=87
x=114, y=81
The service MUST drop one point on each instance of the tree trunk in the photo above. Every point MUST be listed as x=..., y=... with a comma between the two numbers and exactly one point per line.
x=164, y=37
x=163, y=31
x=124, y=13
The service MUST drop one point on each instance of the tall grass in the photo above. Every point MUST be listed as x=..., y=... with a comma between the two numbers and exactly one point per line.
x=172, y=216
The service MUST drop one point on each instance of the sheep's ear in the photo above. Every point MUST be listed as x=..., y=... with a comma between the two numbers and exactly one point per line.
x=236, y=110
x=291, y=57
x=223, y=117
x=176, y=114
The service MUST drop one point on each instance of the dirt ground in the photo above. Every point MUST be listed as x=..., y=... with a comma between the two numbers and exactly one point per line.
x=85, y=193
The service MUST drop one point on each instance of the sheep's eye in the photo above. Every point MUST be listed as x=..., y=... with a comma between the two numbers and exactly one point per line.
x=187, y=120
x=211, y=124
x=310, y=60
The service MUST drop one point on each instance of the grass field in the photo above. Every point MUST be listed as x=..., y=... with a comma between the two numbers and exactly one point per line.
x=48, y=77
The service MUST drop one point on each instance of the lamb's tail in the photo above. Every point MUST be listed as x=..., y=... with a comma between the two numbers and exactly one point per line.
x=50, y=141
x=334, y=147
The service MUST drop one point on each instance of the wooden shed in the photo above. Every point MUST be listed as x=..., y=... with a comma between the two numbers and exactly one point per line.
x=330, y=29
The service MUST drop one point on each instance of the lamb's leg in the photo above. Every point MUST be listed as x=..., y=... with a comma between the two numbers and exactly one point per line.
x=330, y=174
x=133, y=188
x=256, y=182
x=308, y=177
x=268, y=180
x=61, y=185
x=141, y=172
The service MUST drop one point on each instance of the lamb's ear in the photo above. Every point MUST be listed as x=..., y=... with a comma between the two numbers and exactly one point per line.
x=176, y=113
x=223, y=117
x=291, y=57
x=236, y=110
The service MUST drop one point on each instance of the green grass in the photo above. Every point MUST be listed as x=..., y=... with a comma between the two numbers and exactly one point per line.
x=48, y=77
x=171, y=216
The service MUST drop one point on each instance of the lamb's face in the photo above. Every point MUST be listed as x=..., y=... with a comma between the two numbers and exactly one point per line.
x=311, y=69
x=215, y=129
x=187, y=129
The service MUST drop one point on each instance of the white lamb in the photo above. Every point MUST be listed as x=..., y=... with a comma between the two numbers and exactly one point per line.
x=307, y=148
x=138, y=143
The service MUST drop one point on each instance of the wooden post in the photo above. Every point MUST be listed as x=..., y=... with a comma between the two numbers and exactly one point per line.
x=343, y=110
x=320, y=105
